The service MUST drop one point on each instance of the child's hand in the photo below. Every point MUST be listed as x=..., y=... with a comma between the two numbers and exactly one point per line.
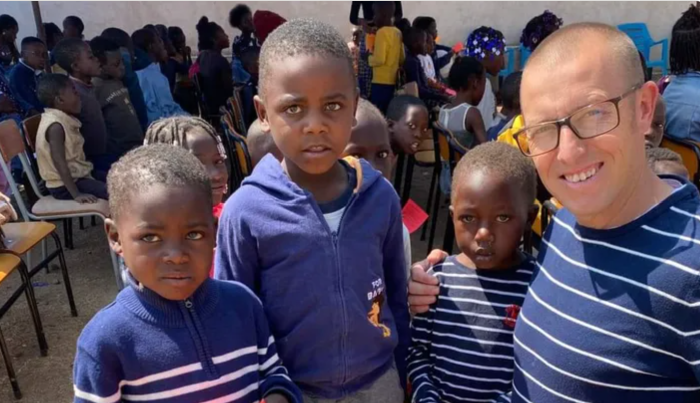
x=275, y=398
x=6, y=105
x=85, y=199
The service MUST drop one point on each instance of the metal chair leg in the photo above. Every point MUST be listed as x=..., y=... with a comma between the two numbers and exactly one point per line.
x=398, y=174
x=433, y=181
x=81, y=223
x=434, y=220
x=64, y=272
x=10, y=368
x=33, y=308
x=410, y=163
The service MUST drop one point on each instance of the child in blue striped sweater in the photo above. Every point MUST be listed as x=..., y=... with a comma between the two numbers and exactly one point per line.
x=173, y=334
x=462, y=348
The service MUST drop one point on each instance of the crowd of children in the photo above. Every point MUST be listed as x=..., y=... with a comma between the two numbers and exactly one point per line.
x=312, y=245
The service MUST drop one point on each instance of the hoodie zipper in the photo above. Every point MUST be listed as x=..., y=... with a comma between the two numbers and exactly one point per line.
x=197, y=333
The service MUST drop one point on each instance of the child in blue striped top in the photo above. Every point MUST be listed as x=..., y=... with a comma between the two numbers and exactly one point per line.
x=462, y=348
x=174, y=335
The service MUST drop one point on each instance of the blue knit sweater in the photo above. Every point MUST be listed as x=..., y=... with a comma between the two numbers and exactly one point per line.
x=215, y=345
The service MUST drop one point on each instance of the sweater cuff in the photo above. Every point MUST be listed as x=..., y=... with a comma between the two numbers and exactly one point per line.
x=280, y=390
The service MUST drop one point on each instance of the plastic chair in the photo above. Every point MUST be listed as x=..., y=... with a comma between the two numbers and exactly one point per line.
x=689, y=152
x=9, y=263
x=639, y=33
x=47, y=208
x=510, y=62
x=524, y=55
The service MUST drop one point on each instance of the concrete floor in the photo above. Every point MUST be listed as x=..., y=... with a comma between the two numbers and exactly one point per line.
x=49, y=379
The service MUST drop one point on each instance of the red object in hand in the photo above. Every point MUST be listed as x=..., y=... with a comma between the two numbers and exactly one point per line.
x=413, y=216
x=458, y=47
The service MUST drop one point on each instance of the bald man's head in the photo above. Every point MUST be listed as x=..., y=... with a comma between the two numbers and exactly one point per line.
x=590, y=39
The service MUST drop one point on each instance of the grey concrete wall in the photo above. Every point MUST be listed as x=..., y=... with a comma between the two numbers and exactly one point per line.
x=455, y=19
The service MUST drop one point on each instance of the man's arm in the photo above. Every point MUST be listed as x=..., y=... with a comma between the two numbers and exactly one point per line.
x=56, y=137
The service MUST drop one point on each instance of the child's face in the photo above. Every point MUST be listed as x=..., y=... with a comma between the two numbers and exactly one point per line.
x=429, y=44
x=309, y=106
x=494, y=64
x=433, y=31
x=114, y=66
x=69, y=100
x=158, y=51
x=418, y=47
x=221, y=39
x=70, y=31
x=370, y=141
x=408, y=132
x=490, y=215
x=165, y=250
x=204, y=147
x=86, y=64
x=655, y=134
x=247, y=26
x=35, y=56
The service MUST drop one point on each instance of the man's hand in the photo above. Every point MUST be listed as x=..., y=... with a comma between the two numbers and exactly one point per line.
x=275, y=398
x=423, y=288
x=6, y=105
x=85, y=199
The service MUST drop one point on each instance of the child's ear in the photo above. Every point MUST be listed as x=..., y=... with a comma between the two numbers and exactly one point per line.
x=354, y=111
x=113, y=237
x=262, y=113
x=390, y=124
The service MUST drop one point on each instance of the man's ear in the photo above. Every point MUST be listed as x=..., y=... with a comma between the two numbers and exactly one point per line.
x=648, y=95
x=113, y=237
x=262, y=113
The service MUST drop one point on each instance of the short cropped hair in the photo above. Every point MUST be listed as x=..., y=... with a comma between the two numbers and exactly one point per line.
x=368, y=111
x=423, y=23
x=501, y=159
x=158, y=164
x=31, y=40
x=67, y=51
x=144, y=37
x=400, y=104
x=75, y=22
x=659, y=154
x=50, y=86
x=7, y=22
x=235, y=16
x=101, y=46
x=118, y=36
x=260, y=143
x=510, y=90
x=685, y=42
x=462, y=70
x=302, y=37
x=173, y=130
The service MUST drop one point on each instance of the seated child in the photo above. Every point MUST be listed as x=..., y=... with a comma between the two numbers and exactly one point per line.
x=173, y=332
x=369, y=140
x=462, y=348
x=409, y=123
x=261, y=143
x=214, y=69
x=655, y=134
x=241, y=18
x=59, y=144
x=123, y=128
x=487, y=45
x=154, y=85
x=666, y=162
x=317, y=238
x=250, y=59
x=23, y=76
x=387, y=57
x=76, y=58
x=73, y=27
x=510, y=96
x=461, y=116
x=442, y=55
x=415, y=42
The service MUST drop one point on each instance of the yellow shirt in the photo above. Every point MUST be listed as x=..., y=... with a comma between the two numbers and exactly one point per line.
x=387, y=57
x=507, y=136
x=75, y=157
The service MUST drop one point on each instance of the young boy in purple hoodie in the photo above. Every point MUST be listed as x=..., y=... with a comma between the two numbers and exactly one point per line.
x=318, y=239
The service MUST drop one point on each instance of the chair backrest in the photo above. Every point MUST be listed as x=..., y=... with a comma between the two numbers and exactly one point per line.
x=201, y=103
x=31, y=127
x=689, y=152
x=11, y=143
x=235, y=104
x=450, y=149
x=639, y=33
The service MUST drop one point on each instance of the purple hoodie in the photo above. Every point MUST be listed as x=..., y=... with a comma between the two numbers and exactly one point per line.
x=336, y=302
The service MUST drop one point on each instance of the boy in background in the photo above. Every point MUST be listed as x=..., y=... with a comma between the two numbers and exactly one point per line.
x=123, y=128
x=24, y=74
x=510, y=96
x=59, y=144
x=210, y=336
x=387, y=57
x=462, y=348
x=409, y=122
x=328, y=264
x=76, y=58
x=73, y=27
x=666, y=162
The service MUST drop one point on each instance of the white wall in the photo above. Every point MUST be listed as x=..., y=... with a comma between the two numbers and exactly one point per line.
x=455, y=19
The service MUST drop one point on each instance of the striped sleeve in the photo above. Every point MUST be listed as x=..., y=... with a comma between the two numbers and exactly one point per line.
x=419, y=363
x=95, y=380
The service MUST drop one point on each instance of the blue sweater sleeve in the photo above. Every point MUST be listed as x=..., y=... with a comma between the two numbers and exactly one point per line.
x=236, y=253
x=96, y=374
x=24, y=88
x=397, y=285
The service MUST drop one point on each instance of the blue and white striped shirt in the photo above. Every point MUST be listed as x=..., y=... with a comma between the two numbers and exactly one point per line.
x=614, y=315
x=462, y=348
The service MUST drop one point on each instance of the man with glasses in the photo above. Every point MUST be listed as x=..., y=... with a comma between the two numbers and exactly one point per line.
x=613, y=311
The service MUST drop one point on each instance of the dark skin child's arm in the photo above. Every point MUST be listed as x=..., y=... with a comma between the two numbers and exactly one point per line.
x=57, y=145
x=475, y=124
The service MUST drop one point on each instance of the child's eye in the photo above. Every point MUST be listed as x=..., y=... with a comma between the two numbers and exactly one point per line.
x=195, y=236
x=412, y=126
x=383, y=154
x=333, y=106
x=503, y=218
x=293, y=110
x=219, y=162
x=150, y=238
x=468, y=218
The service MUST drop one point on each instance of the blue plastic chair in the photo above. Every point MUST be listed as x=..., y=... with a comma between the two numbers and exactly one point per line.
x=524, y=55
x=510, y=62
x=639, y=34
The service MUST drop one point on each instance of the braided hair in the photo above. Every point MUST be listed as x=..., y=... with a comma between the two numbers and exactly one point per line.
x=174, y=130
x=685, y=42
x=206, y=31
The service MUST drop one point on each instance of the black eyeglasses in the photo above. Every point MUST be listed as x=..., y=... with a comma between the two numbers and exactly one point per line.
x=588, y=122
